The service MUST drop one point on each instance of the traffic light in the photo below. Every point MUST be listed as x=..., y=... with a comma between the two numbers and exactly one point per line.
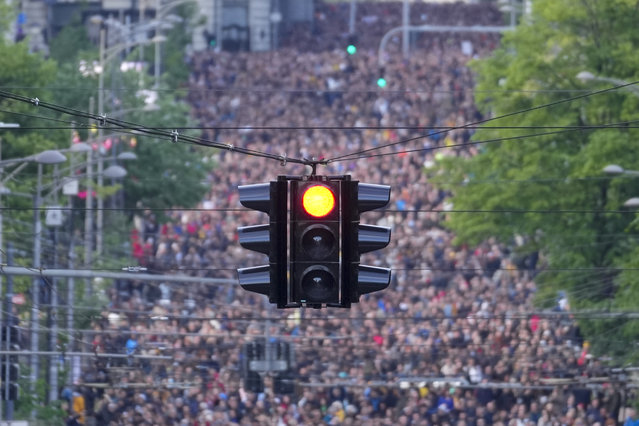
x=252, y=351
x=10, y=368
x=351, y=48
x=359, y=239
x=269, y=239
x=211, y=39
x=381, y=81
x=315, y=242
x=314, y=249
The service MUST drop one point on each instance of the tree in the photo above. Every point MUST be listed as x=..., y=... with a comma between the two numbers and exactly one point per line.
x=166, y=174
x=522, y=181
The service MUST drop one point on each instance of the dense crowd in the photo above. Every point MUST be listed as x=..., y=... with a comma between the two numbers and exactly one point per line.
x=452, y=341
x=330, y=27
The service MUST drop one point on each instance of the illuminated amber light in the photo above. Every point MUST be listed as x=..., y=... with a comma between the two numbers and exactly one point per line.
x=318, y=201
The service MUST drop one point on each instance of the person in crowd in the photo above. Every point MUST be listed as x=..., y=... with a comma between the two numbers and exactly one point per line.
x=453, y=324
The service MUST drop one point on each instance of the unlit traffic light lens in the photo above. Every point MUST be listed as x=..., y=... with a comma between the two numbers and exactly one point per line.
x=319, y=242
x=318, y=201
x=318, y=284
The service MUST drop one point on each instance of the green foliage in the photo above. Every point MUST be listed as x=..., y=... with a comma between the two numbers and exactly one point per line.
x=25, y=74
x=166, y=174
x=67, y=45
x=72, y=48
x=45, y=412
x=7, y=14
x=176, y=70
x=558, y=169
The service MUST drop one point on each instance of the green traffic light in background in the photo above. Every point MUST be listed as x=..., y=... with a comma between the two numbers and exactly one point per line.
x=351, y=49
x=381, y=82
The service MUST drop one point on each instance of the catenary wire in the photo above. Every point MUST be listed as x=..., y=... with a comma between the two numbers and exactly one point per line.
x=79, y=126
x=310, y=91
x=471, y=143
x=510, y=114
x=174, y=136
x=443, y=211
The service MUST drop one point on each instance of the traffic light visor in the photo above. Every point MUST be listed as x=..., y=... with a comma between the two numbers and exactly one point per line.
x=318, y=201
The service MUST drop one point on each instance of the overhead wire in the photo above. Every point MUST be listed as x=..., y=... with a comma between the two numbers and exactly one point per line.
x=479, y=316
x=174, y=136
x=296, y=91
x=590, y=93
x=79, y=126
x=359, y=154
x=364, y=155
x=486, y=120
x=391, y=210
x=432, y=210
x=564, y=180
x=152, y=269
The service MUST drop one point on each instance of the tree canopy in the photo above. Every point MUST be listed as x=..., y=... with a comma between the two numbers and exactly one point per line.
x=544, y=187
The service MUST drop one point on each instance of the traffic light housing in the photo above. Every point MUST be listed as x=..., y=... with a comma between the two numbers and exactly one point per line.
x=211, y=39
x=315, y=260
x=269, y=239
x=267, y=356
x=381, y=80
x=315, y=242
x=252, y=351
x=351, y=47
x=359, y=239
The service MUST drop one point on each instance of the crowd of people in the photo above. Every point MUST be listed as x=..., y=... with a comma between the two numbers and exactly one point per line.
x=454, y=340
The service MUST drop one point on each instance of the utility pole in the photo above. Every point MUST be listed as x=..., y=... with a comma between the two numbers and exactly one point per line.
x=35, y=287
x=6, y=314
x=405, y=24
x=156, y=67
x=100, y=208
x=53, y=313
x=70, y=303
x=88, y=218
x=351, y=17
x=8, y=308
x=71, y=259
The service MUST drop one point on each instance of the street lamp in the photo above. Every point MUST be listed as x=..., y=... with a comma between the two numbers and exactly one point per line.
x=115, y=172
x=46, y=157
x=127, y=155
x=616, y=170
x=632, y=202
x=80, y=147
x=586, y=76
x=107, y=55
